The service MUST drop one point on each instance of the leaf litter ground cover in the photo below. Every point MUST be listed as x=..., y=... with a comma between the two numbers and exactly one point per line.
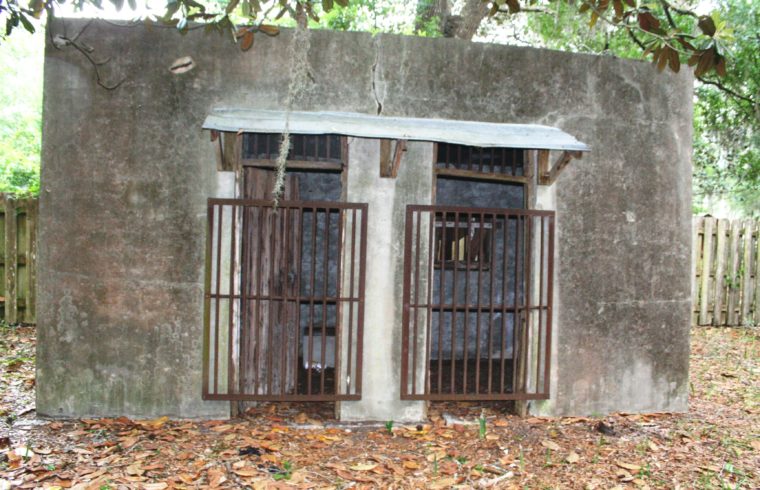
x=715, y=445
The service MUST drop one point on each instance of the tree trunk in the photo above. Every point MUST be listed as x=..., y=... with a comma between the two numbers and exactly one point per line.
x=473, y=13
x=429, y=9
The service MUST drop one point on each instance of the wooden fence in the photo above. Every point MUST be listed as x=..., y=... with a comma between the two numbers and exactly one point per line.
x=726, y=272
x=18, y=254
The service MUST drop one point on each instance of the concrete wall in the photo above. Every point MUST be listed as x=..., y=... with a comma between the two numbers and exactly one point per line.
x=126, y=173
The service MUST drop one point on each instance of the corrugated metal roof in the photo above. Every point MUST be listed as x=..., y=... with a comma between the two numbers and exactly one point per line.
x=471, y=133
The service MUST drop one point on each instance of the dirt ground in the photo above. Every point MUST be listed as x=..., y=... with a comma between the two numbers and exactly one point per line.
x=715, y=445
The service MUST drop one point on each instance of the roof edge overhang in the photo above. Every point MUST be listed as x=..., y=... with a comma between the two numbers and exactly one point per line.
x=471, y=133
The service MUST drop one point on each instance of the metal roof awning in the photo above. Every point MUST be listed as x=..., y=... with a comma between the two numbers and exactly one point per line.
x=483, y=134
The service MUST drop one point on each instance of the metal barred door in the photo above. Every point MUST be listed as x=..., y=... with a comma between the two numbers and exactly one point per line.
x=284, y=300
x=477, y=303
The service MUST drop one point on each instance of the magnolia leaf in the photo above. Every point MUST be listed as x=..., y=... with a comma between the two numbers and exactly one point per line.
x=663, y=59
x=584, y=8
x=720, y=66
x=247, y=42
x=673, y=60
x=628, y=466
x=648, y=22
x=269, y=30
x=572, y=457
x=364, y=466
x=707, y=25
x=594, y=18
x=618, y=6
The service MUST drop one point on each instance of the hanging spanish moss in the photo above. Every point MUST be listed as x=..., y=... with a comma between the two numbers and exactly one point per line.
x=299, y=79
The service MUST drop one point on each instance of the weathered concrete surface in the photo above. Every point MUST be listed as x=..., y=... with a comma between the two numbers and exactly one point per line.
x=387, y=199
x=126, y=174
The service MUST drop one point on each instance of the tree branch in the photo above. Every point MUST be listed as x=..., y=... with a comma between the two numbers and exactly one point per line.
x=727, y=90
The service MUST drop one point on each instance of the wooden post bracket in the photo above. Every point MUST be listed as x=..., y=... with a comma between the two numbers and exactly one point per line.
x=389, y=166
x=547, y=176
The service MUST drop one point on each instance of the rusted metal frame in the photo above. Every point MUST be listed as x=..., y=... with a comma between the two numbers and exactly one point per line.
x=541, y=325
x=429, y=310
x=325, y=283
x=207, y=302
x=491, y=302
x=562, y=161
x=245, y=246
x=362, y=277
x=265, y=297
x=268, y=203
x=299, y=249
x=406, y=307
x=416, y=304
x=454, y=295
x=549, y=307
x=479, y=303
x=218, y=306
x=295, y=164
x=258, y=280
x=274, y=256
x=312, y=273
x=285, y=231
x=338, y=348
x=231, y=321
x=525, y=340
x=518, y=302
x=284, y=398
x=462, y=306
x=351, y=304
x=473, y=174
x=478, y=397
x=441, y=297
x=467, y=273
x=505, y=294
x=465, y=209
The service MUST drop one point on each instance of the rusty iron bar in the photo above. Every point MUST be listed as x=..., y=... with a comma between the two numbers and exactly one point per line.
x=465, y=262
x=271, y=249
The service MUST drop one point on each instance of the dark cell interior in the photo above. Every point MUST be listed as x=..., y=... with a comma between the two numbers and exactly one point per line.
x=303, y=147
x=508, y=161
x=475, y=286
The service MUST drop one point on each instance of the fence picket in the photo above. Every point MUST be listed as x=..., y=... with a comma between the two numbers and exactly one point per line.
x=726, y=266
x=704, y=290
x=720, y=273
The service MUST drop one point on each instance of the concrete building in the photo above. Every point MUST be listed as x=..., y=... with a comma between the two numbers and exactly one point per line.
x=458, y=221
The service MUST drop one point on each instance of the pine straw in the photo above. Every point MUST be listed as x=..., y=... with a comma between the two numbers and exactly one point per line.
x=714, y=445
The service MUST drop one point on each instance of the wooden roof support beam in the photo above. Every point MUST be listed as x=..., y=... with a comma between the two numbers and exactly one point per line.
x=389, y=166
x=547, y=176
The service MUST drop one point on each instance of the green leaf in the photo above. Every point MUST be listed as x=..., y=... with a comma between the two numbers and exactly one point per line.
x=327, y=5
x=26, y=22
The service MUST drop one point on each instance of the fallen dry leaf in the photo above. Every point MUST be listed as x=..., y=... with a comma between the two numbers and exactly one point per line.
x=572, y=457
x=550, y=445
